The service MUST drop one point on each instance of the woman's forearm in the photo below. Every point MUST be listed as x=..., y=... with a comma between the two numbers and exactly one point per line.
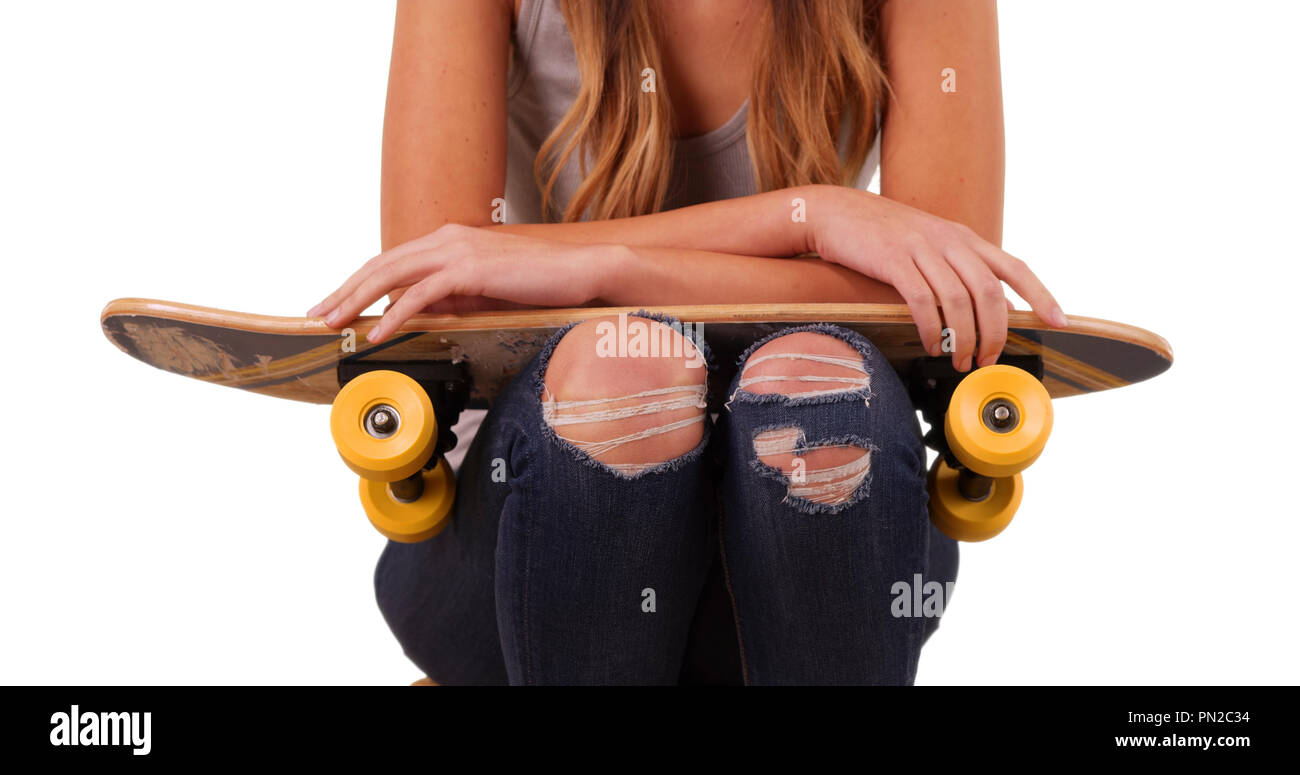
x=667, y=276
x=773, y=223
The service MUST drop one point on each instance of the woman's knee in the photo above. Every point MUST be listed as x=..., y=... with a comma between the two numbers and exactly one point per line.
x=819, y=366
x=628, y=391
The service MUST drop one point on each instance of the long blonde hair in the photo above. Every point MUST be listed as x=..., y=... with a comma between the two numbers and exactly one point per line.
x=818, y=64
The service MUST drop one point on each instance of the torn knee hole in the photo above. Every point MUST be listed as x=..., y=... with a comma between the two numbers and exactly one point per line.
x=594, y=405
x=825, y=473
x=635, y=426
x=804, y=365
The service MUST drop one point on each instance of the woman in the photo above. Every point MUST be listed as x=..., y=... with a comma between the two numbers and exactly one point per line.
x=688, y=152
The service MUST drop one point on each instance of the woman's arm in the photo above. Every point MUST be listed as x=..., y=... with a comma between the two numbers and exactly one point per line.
x=942, y=140
x=464, y=262
x=942, y=148
x=768, y=224
x=444, y=152
x=655, y=276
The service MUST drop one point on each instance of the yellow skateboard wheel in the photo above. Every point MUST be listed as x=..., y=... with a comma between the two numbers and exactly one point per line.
x=383, y=425
x=418, y=520
x=965, y=520
x=998, y=420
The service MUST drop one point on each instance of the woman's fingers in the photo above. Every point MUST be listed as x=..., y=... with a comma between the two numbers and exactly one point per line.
x=989, y=301
x=955, y=301
x=370, y=267
x=920, y=300
x=343, y=291
x=398, y=313
x=1023, y=281
x=373, y=287
x=354, y=282
x=429, y=291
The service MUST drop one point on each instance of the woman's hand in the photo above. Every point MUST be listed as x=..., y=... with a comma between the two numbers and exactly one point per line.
x=932, y=263
x=463, y=267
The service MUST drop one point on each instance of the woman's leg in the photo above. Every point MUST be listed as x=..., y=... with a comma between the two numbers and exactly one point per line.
x=606, y=533
x=824, y=512
x=438, y=595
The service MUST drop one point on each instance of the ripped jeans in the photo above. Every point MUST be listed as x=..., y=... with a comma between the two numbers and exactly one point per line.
x=573, y=559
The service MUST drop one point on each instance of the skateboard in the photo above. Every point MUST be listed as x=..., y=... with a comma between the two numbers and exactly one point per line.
x=394, y=403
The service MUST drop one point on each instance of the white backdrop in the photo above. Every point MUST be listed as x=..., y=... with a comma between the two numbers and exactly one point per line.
x=158, y=530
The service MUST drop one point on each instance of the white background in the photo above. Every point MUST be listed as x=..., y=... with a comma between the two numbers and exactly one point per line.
x=158, y=530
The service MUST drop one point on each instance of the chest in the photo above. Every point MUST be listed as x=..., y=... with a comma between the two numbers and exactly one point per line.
x=708, y=50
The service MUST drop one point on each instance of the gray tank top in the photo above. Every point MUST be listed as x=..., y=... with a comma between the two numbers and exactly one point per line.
x=542, y=86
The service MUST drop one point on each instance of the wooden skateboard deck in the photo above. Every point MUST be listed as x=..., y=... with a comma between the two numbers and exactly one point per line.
x=298, y=358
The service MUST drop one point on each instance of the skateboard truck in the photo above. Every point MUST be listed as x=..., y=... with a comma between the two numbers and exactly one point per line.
x=391, y=422
x=987, y=426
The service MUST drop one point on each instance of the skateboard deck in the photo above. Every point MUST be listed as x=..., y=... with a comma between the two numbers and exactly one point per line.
x=300, y=358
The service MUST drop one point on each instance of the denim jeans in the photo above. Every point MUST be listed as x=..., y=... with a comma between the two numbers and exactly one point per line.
x=556, y=569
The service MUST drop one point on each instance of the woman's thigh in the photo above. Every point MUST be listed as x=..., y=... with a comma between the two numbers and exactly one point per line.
x=582, y=529
x=606, y=531
x=824, y=512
